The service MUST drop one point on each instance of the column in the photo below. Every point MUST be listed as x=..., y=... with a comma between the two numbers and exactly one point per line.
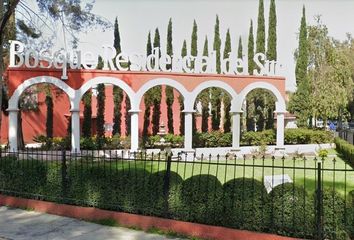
x=13, y=117
x=75, y=130
x=134, y=130
x=280, y=130
x=188, y=130
x=236, y=116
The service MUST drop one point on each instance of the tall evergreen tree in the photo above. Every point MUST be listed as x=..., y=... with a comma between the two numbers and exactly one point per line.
x=204, y=96
x=49, y=122
x=100, y=114
x=240, y=51
x=169, y=90
x=260, y=42
x=87, y=121
x=226, y=97
x=127, y=115
x=272, y=33
x=180, y=98
x=156, y=92
x=217, y=44
x=117, y=92
x=299, y=102
x=250, y=49
x=194, y=42
x=147, y=96
x=215, y=92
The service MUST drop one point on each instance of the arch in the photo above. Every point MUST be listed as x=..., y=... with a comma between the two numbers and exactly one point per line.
x=158, y=82
x=105, y=80
x=210, y=84
x=280, y=104
x=13, y=101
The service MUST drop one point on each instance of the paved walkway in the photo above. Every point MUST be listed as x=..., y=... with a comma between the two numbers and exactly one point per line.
x=17, y=224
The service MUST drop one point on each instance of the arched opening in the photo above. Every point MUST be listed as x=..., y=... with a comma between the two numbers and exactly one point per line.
x=212, y=119
x=161, y=109
x=43, y=117
x=104, y=108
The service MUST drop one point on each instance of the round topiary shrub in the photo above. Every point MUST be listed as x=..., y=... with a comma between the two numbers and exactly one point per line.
x=291, y=211
x=333, y=215
x=158, y=203
x=244, y=201
x=201, y=197
x=129, y=189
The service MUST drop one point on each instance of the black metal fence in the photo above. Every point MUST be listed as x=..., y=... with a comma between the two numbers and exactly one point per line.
x=303, y=197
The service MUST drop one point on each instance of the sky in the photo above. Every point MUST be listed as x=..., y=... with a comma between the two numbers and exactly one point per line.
x=137, y=17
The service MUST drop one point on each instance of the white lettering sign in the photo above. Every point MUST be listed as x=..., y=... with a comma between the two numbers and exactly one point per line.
x=21, y=55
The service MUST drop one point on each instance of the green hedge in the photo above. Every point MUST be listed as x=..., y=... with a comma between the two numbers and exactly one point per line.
x=200, y=200
x=239, y=203
x=244, y=204
x=291, y=211
x=346, y=150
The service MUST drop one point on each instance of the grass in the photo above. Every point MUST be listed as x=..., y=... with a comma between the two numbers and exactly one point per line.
x=302, y=171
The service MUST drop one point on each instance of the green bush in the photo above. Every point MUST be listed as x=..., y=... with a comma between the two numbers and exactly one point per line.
x=158, y=204
x=333, y=215
x=175, y=140
x=244, y=201
x=291, y=211
x=307, y=136
x=251, y=138
x=88, y=143
x=212, y=139
x=350, y=219
x=200, y=198
x=346, y=150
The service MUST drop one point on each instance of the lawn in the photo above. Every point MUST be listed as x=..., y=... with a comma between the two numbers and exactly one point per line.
x=336, y=174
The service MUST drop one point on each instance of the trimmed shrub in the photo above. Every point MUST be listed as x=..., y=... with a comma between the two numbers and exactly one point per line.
x=22, y=176
x=244, y=201
x=333, y=215
x=307, y=136
x=159, y=204
x=201, y=198
x=291, y=211
x=350, y=219
x=258, y=138
x=346, y=150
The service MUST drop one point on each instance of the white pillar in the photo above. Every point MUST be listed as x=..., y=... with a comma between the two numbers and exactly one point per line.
x=188, y=130
x=236, y=126
x=280, y=130
x=75, y=130
x=13, y=117
x=134, y=130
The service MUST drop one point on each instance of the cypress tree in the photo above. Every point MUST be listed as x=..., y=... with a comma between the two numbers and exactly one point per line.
x=204, y=95
x=194, y=42
x=240, y=51
x=272, y=33
x=156, y=92
x=215, y=92
x=117, y=92
x=302, y=58
x=147, y=96
x=116, y=43
x=180, y=98
x=194, y=53
x=100, y=114
x=127, y=115
x=250, y=49
x=260, y=42
x=169, y=90
x=226, y=98
x=49, y=122
x=299, y=103
x=87, y=121
x=217, y=44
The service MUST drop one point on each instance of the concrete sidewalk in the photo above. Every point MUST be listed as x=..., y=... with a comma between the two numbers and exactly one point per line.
x=17, y=224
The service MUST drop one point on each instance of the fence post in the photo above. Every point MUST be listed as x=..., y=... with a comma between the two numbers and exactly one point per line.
x=319, y=204
x=166, y=184
x=64, y=167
